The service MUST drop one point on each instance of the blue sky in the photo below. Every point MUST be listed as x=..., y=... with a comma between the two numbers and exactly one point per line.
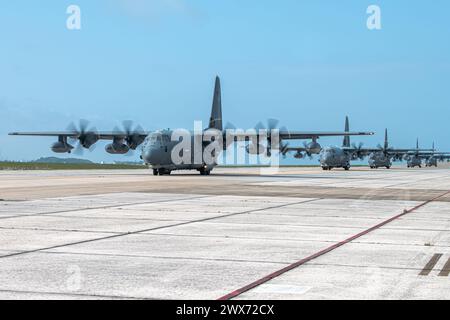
x=307, y=63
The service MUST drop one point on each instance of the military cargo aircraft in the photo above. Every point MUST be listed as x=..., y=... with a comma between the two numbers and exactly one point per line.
x=414, y=157
x=332, y=156
x=341, y=157
x=168, y=150
x=429, y=157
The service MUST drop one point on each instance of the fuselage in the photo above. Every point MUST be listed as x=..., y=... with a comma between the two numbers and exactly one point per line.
x=164, y=155
x=379, y=159
x=431, y=162
x=414, y=161
x=334, y=157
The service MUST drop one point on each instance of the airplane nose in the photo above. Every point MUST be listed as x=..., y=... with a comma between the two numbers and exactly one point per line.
x=325, y=157
x=149, y=155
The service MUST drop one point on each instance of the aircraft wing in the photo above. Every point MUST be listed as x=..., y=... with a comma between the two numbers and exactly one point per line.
x=105, y=135
x=300, y=135
x=109, y=135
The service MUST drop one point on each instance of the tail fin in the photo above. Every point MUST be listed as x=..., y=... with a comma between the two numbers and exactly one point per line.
x=346, y=142
x=417, y=144
x=215, y=121
x=386, y=142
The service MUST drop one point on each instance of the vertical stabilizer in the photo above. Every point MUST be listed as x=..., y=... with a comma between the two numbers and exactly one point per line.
x=346, y=142
x=386, y=142
x=215, y=121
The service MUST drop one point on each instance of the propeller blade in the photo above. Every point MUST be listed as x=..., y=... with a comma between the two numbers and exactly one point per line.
x=84, y=124
x=71, y=127
x=230, y=126
x=259, y=126
x=127, y=125
x=78, y=150
x=272, y=124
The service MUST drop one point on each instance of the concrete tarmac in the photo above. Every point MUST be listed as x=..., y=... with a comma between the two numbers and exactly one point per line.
x=129, y=234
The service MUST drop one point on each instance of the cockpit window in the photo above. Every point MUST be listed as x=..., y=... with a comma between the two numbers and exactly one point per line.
x=165, y=138
x=154, y=138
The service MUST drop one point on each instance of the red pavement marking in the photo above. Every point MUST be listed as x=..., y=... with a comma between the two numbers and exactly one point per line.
x=294, y=265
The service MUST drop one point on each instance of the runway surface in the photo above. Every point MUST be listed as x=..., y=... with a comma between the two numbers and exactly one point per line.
x=238, y=234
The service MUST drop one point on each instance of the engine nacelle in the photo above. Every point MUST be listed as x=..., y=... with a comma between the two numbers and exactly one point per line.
x=117, y=148
x=313, y=147
x=61, y=147
x=258, y=149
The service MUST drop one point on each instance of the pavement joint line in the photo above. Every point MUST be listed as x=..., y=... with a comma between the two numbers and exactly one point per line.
x=102, y=207
x=362, y=266
x=411, y=181
x=303, y=261
x=291, y=239
x=57, y=230
x=74, y=294
x=149, y=229
x=163, y=257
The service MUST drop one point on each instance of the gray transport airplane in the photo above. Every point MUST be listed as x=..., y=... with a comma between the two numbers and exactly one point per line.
x=159, y=147
x=341, y=157
x=430, y=157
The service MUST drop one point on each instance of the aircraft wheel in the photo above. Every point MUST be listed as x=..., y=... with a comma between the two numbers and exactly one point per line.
x=155, y=172
x=324, y=168
x=163, y=172
x=388, y=167
x=347, y=168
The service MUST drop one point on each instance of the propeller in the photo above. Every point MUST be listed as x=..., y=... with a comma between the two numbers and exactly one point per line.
x=307, y=148
x=135, y=135
x=229, y=126
x=358, y=154
x=272, y=124
x=86, y=137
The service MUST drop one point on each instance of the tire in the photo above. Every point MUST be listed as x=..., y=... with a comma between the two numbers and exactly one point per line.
x=155, y=172
x=347, y=168
x=163, y=172
x=388, y=167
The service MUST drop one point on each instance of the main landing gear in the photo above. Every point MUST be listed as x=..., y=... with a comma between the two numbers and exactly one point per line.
x=204, y=172
x=161, y=172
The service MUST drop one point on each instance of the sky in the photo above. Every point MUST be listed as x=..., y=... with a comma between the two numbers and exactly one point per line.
x=307, y=63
